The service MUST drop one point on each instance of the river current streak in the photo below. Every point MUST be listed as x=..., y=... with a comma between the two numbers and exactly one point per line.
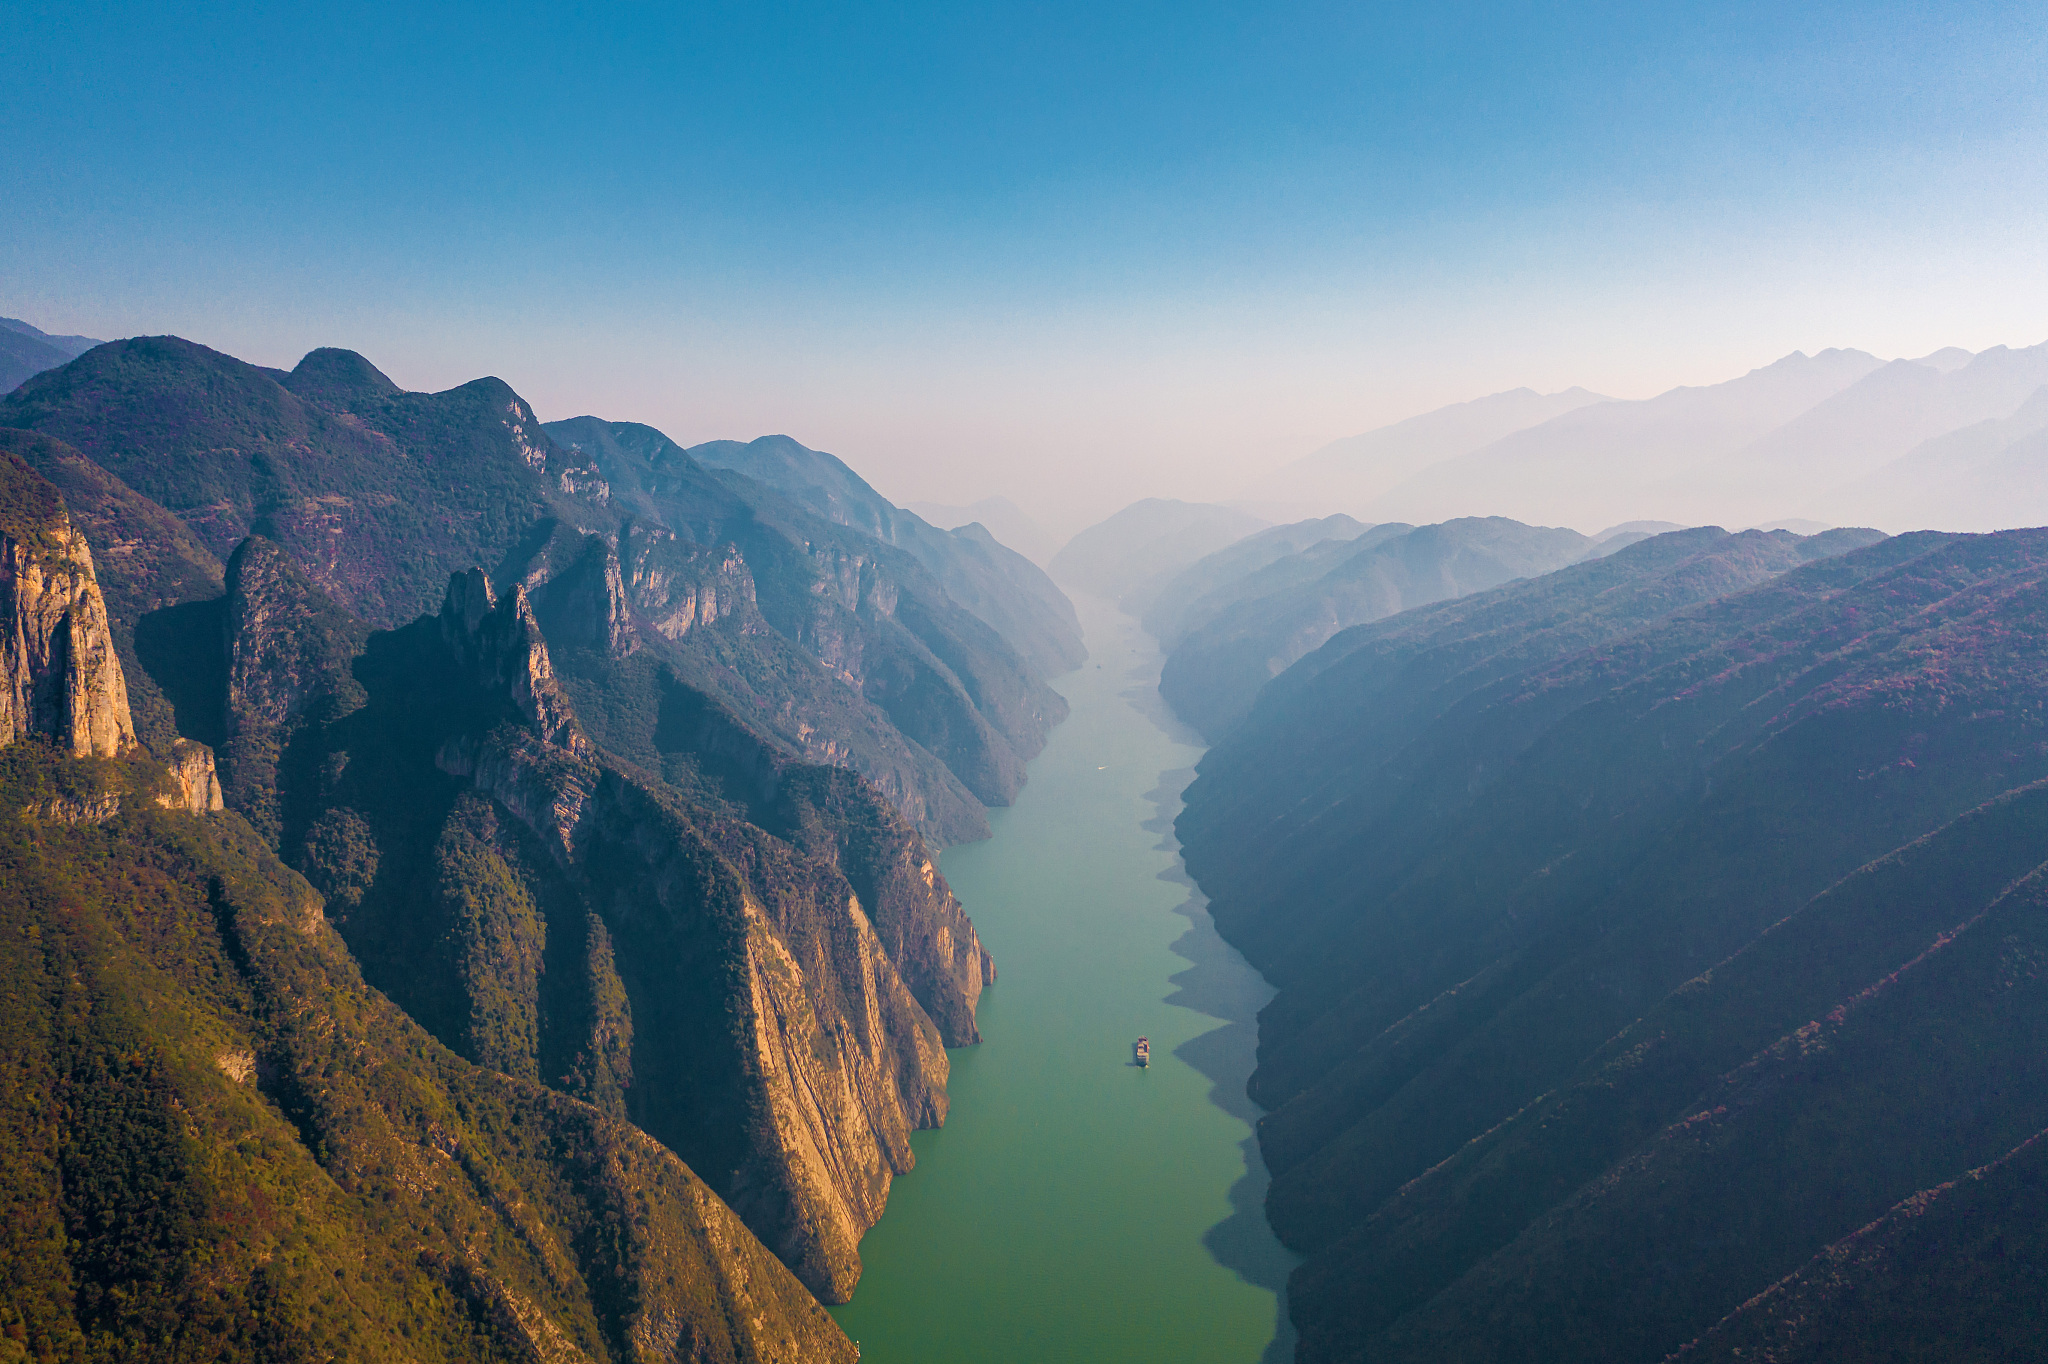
x=1076, y=1207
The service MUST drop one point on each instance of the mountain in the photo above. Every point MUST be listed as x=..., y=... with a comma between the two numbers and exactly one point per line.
x=149, y=562
x=1186, y=600
x=1010, y=594
x=1001, y=517
x=1934, y=1278
x=557, y=913
x=223, y=1141
x=26, y=351
x=60, y=680
x=71, y=346
x=1880, y=418
x=845, y=649
x=1254, y=631
x=889, y=636
x=1131, y=557
x=381, y=494
x=1977, y=478
x=595, y=822
x=1617, y=461
x=1353, y=473
x=1655, y=946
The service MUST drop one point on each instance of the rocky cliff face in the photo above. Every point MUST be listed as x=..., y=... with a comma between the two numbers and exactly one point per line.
x=1006, y=591
x=833, y=816
x=906, y=654
x=556, y=914
x=287, y=648
x=144, y=560
x=696, y=609
x=59, y=677
x=830, y=1057
x=377, y=495
x=222, y=1141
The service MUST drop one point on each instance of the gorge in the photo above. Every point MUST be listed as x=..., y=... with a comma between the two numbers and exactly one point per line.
x=1076, y=1207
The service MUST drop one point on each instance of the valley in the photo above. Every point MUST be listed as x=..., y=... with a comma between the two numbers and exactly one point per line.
x=1076, y=1207
x=552, y=882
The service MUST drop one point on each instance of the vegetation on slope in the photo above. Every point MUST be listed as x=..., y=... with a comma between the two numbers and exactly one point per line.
x=220, y=1144
x=1483, y=848
x=1217, y=667
x=851, y=650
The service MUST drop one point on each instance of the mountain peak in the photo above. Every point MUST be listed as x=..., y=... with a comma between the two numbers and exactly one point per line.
x=339, y=378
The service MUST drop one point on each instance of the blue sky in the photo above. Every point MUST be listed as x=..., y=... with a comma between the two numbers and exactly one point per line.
x=1073, y=253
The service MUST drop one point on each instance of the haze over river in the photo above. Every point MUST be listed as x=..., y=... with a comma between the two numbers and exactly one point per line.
x=1076, y=1207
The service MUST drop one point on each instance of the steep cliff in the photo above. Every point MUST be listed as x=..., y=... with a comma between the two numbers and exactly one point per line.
x=551, y=910
x=694, y=613
x=871, y=613
x=850, y=649
x=145, y=561
x=219, y=1143
x=217, y=1139
x=560, y=915
x=59, y=677
x=1010, y=594
x=609, y=629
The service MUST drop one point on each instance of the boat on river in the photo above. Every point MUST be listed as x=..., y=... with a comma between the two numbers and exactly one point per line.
x=1144, y=1050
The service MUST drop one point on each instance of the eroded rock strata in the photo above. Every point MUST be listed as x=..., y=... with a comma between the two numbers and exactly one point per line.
x=220, y=1140
x=556, y=912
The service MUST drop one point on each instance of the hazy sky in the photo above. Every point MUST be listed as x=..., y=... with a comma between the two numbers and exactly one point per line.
x=1072, y=253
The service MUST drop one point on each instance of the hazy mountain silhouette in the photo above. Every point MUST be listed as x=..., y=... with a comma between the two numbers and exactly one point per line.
x=1808, y=441
x=1978, y=478
x=1874, y=421
x=1220, y=662
x=1202, y=589
x=1131, y=556
x=1616, y=461
x=1002, y=518
x=1352, y=473
x=26, y=351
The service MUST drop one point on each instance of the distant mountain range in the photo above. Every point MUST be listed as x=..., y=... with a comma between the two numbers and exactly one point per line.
x=26, y=351
x=1242, y=633
x=1354, y=473
x=1839, y=438
x=1004, y=519
x=1130, y=557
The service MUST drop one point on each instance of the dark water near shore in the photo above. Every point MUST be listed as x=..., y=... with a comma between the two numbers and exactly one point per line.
x=1075, y=1207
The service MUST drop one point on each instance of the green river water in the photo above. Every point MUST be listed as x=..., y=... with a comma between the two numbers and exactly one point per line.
x=1075, y=1207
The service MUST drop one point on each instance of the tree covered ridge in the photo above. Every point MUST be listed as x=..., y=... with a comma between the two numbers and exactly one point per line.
x=378, y=495
x=224, y=1145
x=1635, y=944
x=612, y=952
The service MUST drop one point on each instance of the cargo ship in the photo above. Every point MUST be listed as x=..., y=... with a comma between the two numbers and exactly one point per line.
x=1144, y=1052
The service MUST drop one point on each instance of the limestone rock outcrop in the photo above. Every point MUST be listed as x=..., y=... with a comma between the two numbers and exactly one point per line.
x=736, y=993
x=501, y=643
x=197, y=784
x=59, y=677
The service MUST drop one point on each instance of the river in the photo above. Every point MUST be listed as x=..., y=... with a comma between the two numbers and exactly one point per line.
x=1076, y=1207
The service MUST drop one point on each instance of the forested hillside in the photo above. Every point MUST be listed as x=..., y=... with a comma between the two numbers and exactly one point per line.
x=637, y=882
x=844, y=648
x=1644, y=930
x=1237, y=636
